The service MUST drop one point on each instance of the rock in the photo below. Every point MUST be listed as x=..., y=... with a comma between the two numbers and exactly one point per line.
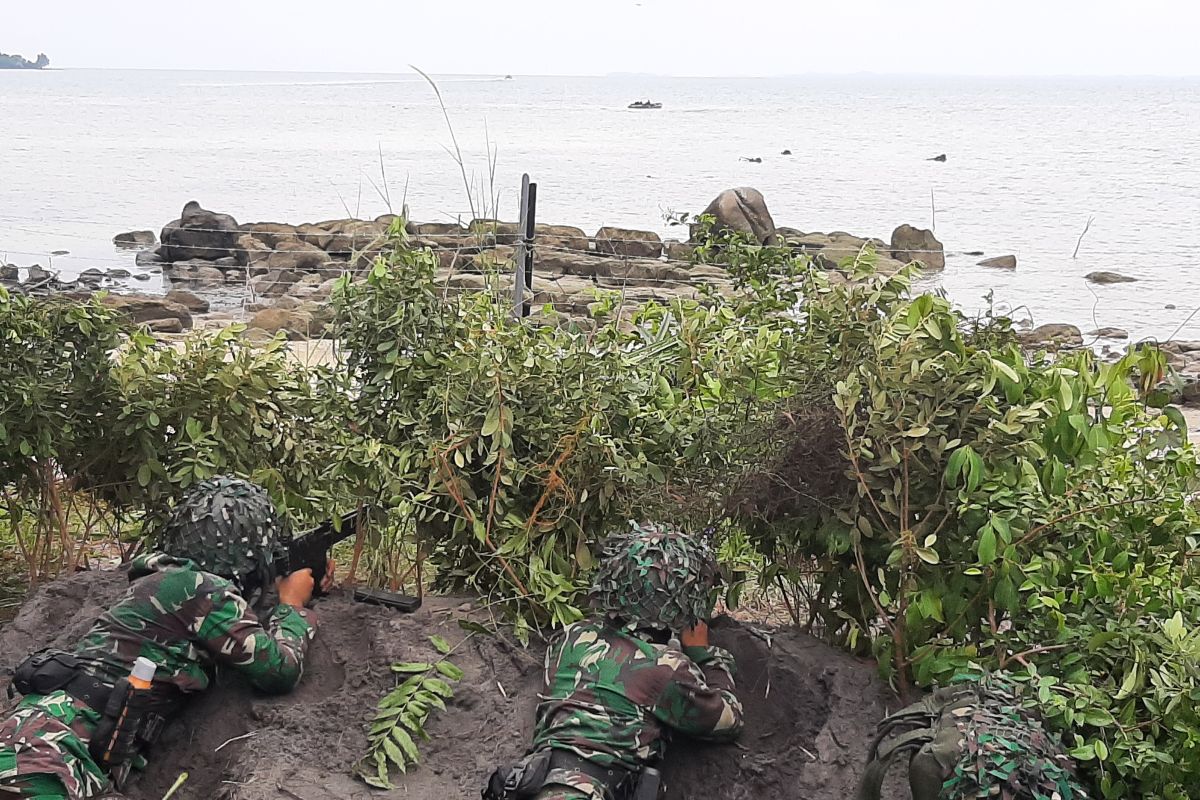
x=1109, y=277
x=786, y=153
x=36, y=274
x=199, y=233
x=196, y=272
x=743, y=210
x=275, y=282
x=118, y=274
x=354, y=238
x=441, y=234
x=91, y=277
x=295, y=323
x=617, y=273
x=999, y=262
x=293, y=254
x=148, y=258
x=142, y=308
x=565, y=237
x=1055, y=335
x=270, y=233
x=1110, y=333
x=249, y=249
x=9, y=272
x=135, y=239
x=141, y=276
x=495, y=230
x=917, y=244
x=1170, y=306
x=679, y=251
x=194, y=304
x=170, y=325
x=628, y=243
x=314, y=235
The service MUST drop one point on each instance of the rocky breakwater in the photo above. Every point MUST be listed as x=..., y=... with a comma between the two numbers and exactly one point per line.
x=285, y=273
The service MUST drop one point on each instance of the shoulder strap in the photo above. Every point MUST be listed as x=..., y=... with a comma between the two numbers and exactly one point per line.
x=882, y=758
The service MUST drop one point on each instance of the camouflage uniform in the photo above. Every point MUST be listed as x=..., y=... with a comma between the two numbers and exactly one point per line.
x=186, y=621
x=614, y=688
x=612, y=697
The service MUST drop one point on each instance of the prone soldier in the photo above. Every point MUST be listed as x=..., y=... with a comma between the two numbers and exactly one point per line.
x=185, y=612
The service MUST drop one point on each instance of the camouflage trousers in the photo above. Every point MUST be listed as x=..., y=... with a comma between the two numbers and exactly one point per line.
x=562, y=784
x=44, y=753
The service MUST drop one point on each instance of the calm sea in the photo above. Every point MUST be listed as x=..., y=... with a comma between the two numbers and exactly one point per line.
x=85, y=154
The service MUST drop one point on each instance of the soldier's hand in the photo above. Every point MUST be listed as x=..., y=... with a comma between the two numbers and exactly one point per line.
x=695, y=637
x=329, y=581
x=296, y=589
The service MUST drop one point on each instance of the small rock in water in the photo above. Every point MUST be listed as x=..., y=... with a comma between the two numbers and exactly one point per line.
x=61, y=253
x=1170, y=306
x=36, y=273
x=786, y=153
x=973, y=253
x=1109, y=277
x=148, y=258
x=942, y=158
x=141, y=276
x=91, y=276
x=1109, y=333
x=135, y=239
x=1000, y=262
x=9, y=272
x=119, y=273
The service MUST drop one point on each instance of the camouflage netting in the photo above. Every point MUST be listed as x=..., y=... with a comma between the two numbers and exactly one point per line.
x=974, y=739
x=1006, y=752
x=229, y=527
x=655, y=576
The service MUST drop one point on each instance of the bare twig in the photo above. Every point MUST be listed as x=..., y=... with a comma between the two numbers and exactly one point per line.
x=249, y=735
x=1080, y=241
x=457, y=154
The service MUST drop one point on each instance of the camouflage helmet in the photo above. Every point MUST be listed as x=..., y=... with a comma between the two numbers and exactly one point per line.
x=654, y=576
x=228, y=527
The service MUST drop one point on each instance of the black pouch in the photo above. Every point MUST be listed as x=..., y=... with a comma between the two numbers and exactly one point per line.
x=44, y=672
x=521, y=780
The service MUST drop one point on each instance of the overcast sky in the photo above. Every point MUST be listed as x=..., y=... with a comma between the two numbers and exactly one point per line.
x=585, y=37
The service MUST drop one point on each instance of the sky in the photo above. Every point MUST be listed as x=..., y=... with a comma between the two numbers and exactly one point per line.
x=586, y=37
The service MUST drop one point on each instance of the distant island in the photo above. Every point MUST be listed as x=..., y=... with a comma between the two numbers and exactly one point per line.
x=17, y=62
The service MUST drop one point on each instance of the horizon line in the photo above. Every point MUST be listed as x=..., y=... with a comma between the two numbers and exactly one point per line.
x=658, y=75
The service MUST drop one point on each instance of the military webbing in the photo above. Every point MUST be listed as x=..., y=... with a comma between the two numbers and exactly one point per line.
x=872, y=782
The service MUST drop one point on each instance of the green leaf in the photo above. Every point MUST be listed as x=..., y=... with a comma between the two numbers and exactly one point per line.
x=394, y=754
x=1005, y=370
x=491, y=423
x=144, y=475
x=441, y=644
x=449, y=670
x=407, y=745
x=987, y=545
x=412, y=667
x=928, y=555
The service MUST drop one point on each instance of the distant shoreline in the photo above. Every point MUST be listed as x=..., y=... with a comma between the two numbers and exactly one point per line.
x=20, y=62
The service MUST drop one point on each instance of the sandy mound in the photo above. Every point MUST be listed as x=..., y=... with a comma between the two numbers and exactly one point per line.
x=810, y=709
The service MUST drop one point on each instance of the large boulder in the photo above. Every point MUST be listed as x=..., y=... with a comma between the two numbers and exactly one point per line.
x=493, y=230
x=135, y=239
x=194, y=304
x=314, y=235
x=146, y=309
x=296, y=324
x=743, y=210
x=293, y=254
x=628, y=243
x=355, y=237
x=275, y=282
x=194, y=272
x=1109, y=277
x=199, y=233
x=272, y=233
x=561, y=237
x=917, y=244
x=249, y=249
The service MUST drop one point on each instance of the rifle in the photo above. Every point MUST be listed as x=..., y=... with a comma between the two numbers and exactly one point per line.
x=310, y=550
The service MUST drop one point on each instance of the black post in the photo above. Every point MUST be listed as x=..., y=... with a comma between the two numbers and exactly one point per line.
x=528, y=234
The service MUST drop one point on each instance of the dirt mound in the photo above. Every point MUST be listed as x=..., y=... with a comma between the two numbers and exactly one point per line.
x=810, y=710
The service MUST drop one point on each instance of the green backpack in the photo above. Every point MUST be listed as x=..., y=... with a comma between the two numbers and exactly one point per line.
x=972, y=740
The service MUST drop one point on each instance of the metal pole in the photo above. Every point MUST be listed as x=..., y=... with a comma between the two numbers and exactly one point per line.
x=529, y=232
x=519, y=255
